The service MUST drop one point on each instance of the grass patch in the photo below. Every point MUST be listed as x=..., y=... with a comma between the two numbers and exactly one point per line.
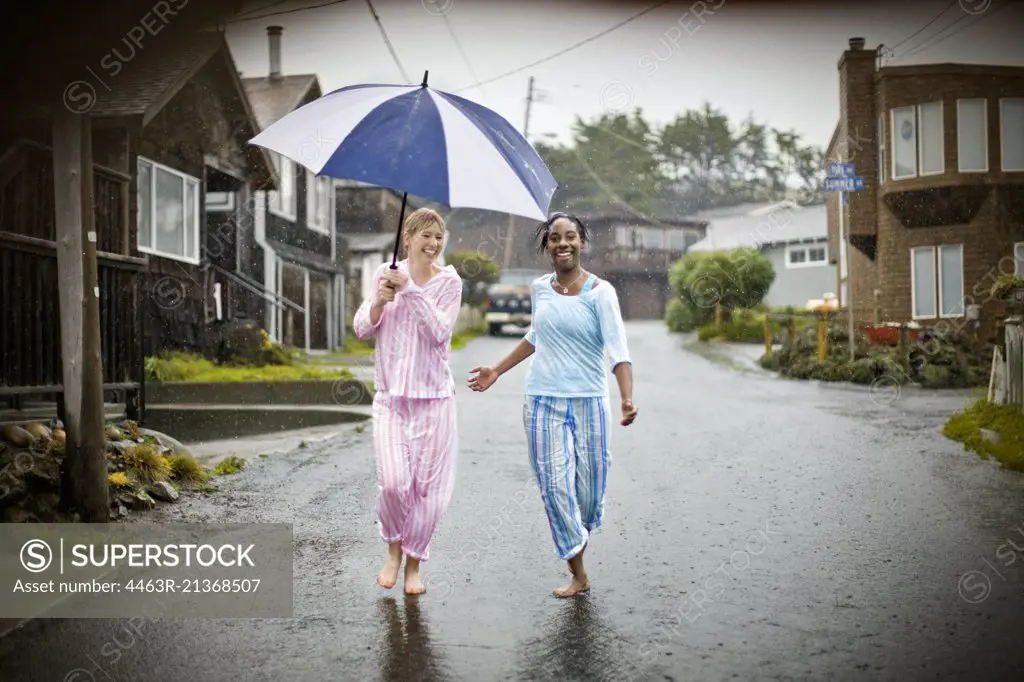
x=146, y=463
x=356, y=346
x=118, y=479
x=229, y=465
x=462, y=339
x=187, y=469
x=1006, y=420
x=180, y=367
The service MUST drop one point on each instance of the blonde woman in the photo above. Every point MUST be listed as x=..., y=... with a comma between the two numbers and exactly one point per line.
x=412, y=313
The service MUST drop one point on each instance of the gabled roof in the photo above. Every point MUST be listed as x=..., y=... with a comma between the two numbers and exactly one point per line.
x=147, y=85
x=767, y=225
x=273, y=99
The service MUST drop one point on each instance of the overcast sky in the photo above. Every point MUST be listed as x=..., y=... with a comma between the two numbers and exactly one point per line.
x=774, y=60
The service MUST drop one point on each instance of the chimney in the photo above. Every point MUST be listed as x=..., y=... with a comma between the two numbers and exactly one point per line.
x=274, y=41
x=856, y=43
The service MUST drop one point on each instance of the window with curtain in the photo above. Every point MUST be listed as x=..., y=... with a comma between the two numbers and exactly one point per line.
x=923, y=276
x=904, y=143
x=972, y=135
x=951, y=280
x=930, y=138
x=1011, y=128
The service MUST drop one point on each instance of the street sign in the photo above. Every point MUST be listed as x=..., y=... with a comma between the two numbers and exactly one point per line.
x=844, y=184
x=842, y=170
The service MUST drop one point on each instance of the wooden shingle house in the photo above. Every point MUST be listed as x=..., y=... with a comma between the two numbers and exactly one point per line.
x=294, y=226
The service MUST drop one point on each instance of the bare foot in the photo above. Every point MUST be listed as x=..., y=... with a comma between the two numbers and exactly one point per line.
x=413, y=585
x=388, y=575
x=577, y=585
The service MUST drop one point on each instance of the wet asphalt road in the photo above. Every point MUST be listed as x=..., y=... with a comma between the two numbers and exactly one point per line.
x=756, y=529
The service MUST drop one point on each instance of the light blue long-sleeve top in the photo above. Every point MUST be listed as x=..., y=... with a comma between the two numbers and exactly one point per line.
x=570, y=336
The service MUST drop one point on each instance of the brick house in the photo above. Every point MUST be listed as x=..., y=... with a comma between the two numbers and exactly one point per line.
x=941, y=215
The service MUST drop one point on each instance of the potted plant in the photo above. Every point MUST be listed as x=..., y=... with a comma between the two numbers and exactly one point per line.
x=1010, y=289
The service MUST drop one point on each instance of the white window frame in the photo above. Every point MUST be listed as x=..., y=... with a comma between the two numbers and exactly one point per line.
x=1002, y=133
x=186, y=179
x=959, y=134
x=881, y=148
x=318, y=221
x=920, y=142
x=1018, y=259
x=807, y=262
x=286, y=169
x=917, y=134
x=936, y=283
x=213, y=201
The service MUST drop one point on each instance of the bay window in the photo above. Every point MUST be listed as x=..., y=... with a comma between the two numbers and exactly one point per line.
x=168, y=212
x=1011, y=127
x=917, y=145
x=937, y=281
x=881, y=148
x=972, y=135
x=318, y=202
x=282, y=201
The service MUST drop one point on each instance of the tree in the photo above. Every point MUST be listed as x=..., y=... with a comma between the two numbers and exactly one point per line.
x=611, y=162
x=477, y=270
x=700, y=281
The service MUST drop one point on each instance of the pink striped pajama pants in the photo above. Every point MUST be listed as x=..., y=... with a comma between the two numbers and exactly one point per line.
x=416, y=441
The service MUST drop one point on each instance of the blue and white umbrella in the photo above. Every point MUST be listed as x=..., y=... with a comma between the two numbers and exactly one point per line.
x=419, y=141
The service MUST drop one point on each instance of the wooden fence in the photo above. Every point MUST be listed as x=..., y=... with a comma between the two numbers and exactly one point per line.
x=1006, y=383
x=30, y=320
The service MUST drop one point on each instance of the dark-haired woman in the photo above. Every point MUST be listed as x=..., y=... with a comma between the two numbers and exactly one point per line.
x=576, y=320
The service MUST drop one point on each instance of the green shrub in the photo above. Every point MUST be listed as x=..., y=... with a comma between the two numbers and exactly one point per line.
x=680, y=317
x=707, y=332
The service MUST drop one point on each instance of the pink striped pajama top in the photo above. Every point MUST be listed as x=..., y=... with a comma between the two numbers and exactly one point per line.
x=414, y=334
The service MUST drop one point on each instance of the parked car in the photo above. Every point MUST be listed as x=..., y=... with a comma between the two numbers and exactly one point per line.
x=508, y=301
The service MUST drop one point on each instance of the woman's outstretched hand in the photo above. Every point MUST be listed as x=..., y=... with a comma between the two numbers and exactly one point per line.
x=628, y=412
x=484, y=379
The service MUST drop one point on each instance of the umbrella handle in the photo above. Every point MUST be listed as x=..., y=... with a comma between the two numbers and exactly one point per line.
x=398, y=237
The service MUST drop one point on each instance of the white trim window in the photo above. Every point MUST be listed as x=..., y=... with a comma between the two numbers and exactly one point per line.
x=283, y=202
x=168, y=212
x=1011, y=133
x=931, y=146
x=806, y=256
x=318, y=202
x=1018, y=259
x=972, y=135
x=937, y=281
x=220, y=201
x=904, y=143
x=881, y=148
x=918, y=148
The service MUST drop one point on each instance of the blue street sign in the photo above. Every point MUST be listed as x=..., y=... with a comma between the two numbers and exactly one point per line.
x=842, y=170
x=854, y=184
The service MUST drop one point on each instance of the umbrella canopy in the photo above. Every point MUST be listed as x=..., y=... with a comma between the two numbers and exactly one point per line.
x=419, y=141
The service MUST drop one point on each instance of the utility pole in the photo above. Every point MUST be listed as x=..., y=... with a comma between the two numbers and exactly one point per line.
x=85, y=484
x=511, y=218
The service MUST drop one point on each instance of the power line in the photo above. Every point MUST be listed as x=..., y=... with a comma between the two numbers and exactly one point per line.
x=566, y=50
x=391, y=49
x=458, y=46
x=936, y=40
x=918, y=31
x=244, y=18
